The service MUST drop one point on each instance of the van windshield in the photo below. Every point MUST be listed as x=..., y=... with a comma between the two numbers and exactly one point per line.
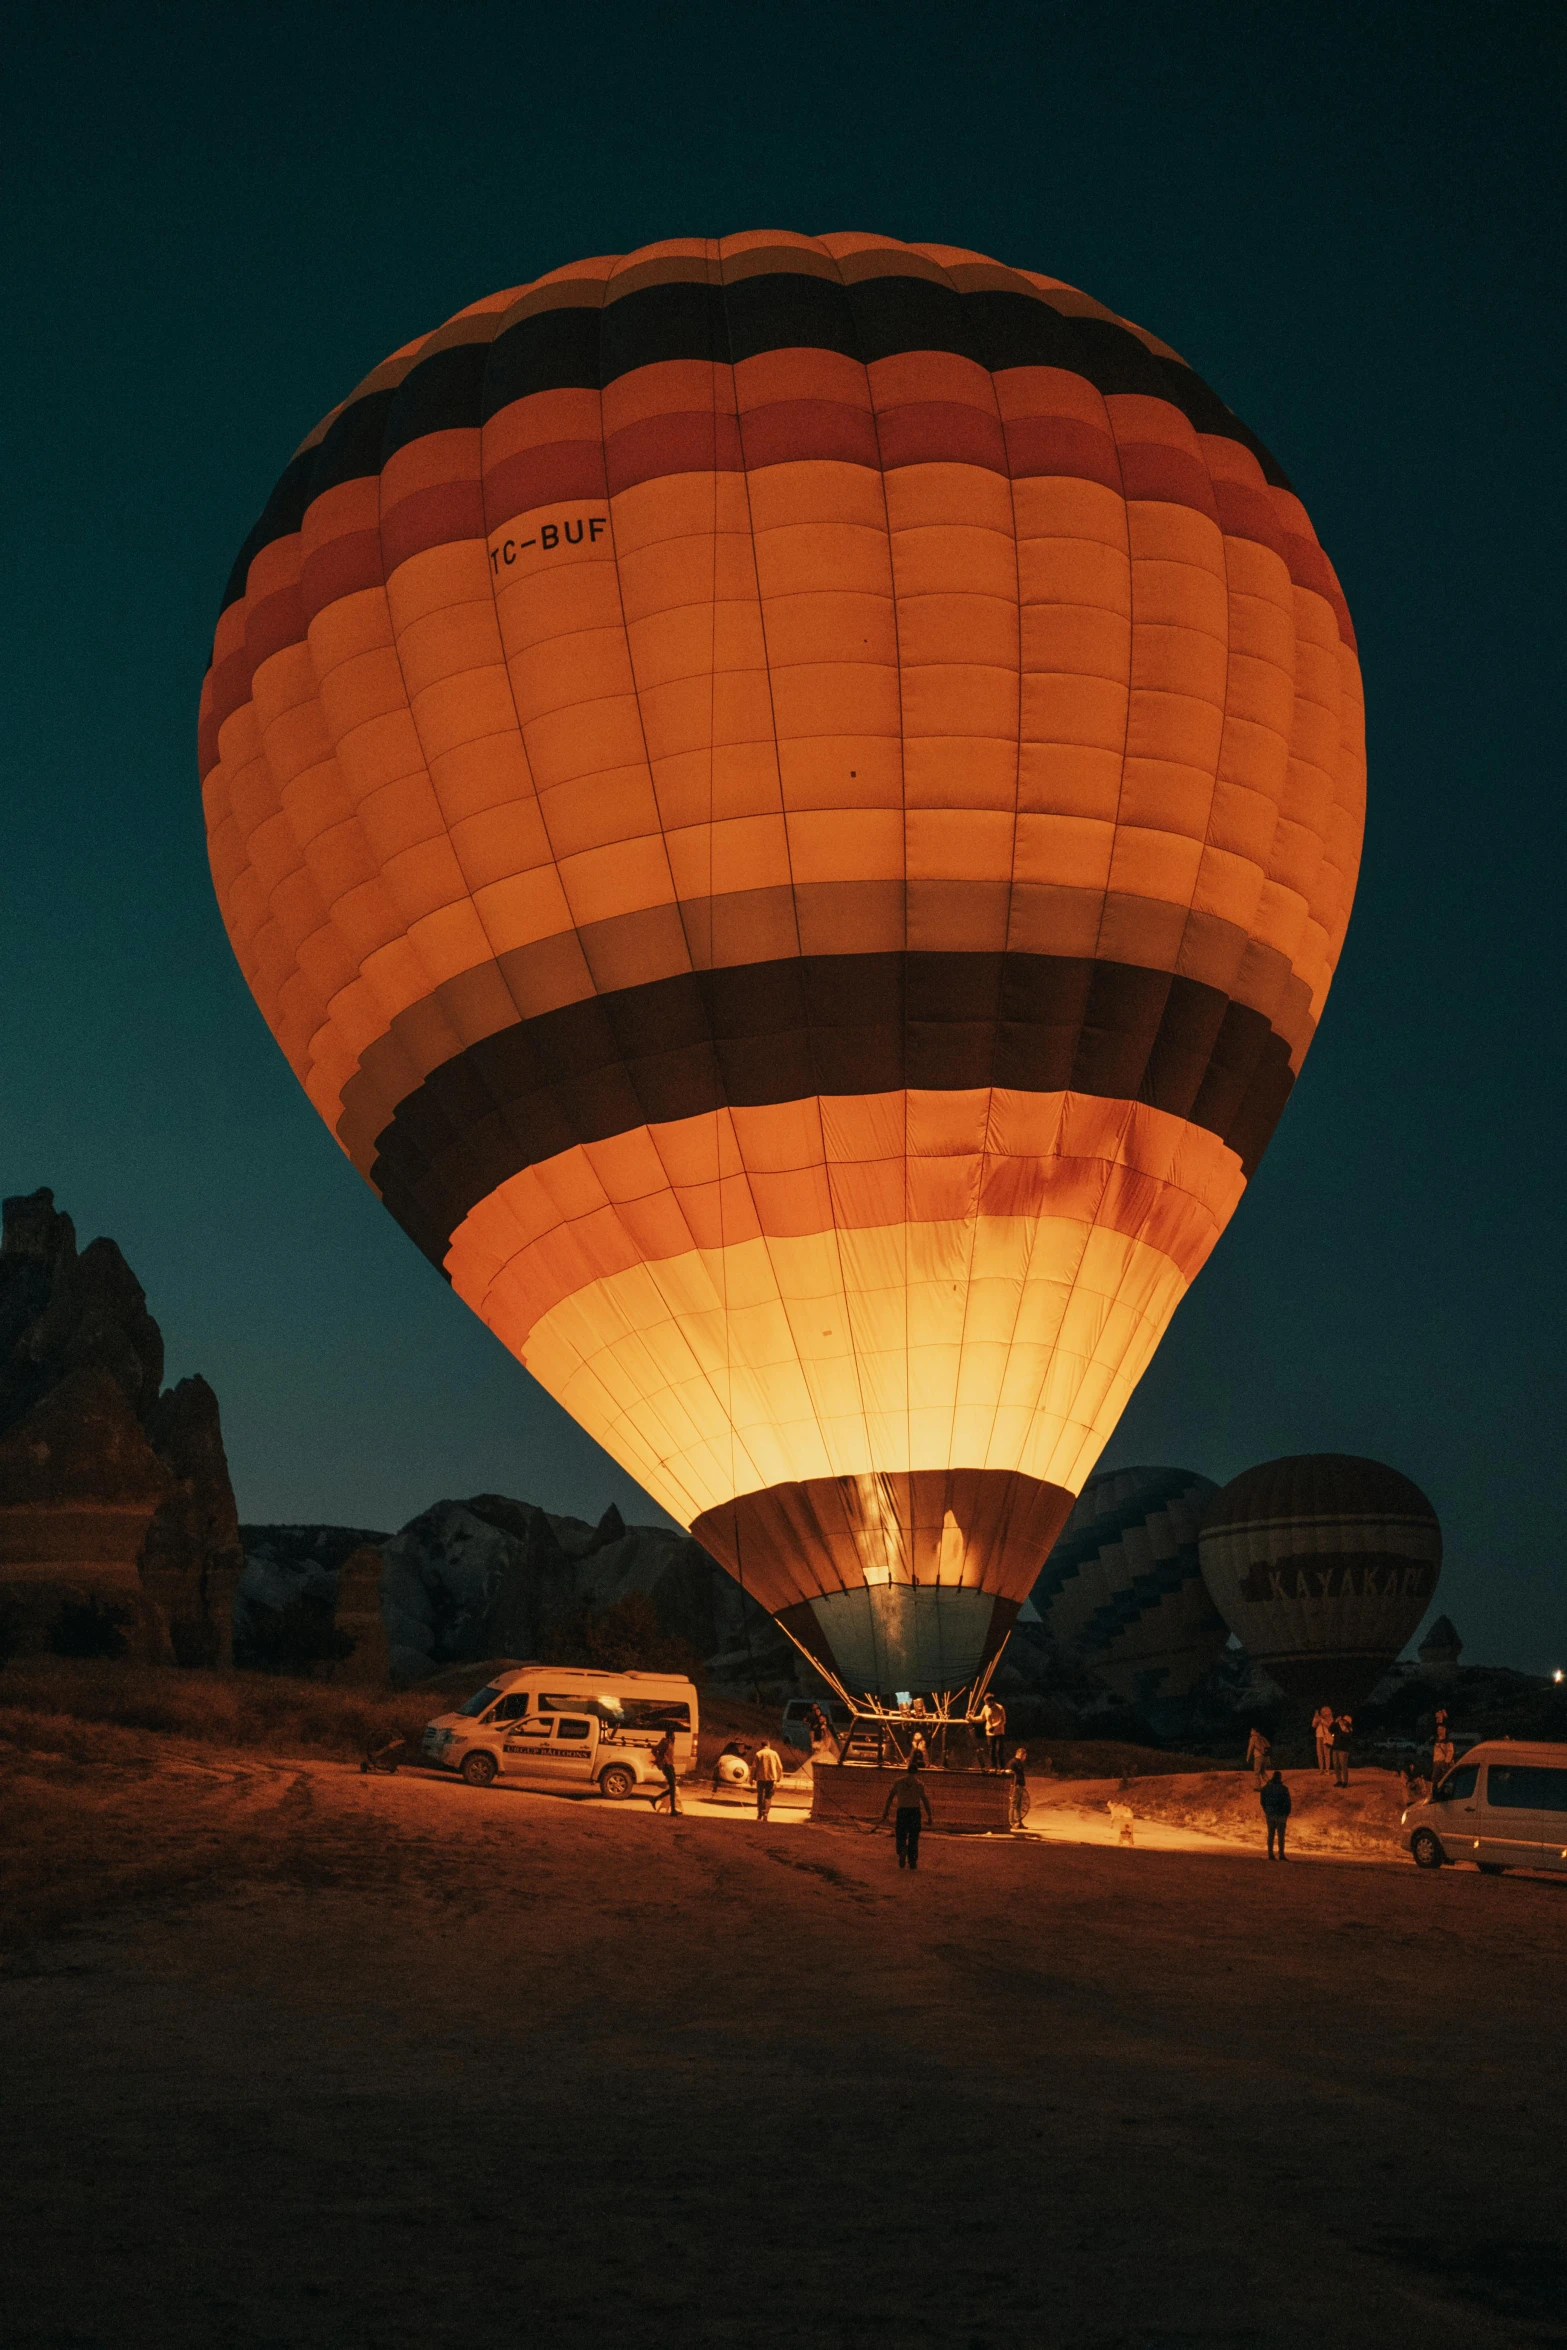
x=479, y=1703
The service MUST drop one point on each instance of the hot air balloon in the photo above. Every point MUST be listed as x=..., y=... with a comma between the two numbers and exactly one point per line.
x=793, y=802
x=1122, y=1592
x=1322, y=1565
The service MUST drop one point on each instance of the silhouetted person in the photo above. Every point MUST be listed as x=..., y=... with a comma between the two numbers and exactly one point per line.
x=1019, y=1767
x=1259, y=1753
x=766, y=1770
x=907, y=1799
x=1343, y=1730
x=664, y=1760
x=1276, y=1811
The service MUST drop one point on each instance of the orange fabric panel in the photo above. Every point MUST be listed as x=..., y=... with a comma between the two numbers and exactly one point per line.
x=1108, y=704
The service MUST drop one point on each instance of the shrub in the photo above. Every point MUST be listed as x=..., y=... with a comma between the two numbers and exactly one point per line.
x=291, y=1639
x=265, y=1710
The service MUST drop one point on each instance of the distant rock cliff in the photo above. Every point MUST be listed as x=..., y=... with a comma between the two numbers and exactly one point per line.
x=494, y=1577
x=470, y=1580
x=117, y=1519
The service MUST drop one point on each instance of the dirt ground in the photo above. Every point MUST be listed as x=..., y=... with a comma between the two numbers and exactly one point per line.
x=295, y=2057
x=1362, y=1817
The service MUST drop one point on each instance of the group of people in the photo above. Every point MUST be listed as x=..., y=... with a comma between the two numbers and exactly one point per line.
x=1333, y=1733
x=908, y=1805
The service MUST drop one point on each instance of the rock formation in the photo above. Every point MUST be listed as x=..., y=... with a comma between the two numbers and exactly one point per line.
x=117, y=1520
x=1439, y=1653
x=495, y=1577
x=310, y=1601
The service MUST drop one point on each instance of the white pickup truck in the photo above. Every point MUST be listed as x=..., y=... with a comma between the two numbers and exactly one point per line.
x=565, y=1726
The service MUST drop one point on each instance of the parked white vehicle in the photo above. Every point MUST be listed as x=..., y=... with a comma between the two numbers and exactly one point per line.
x=568, y=1727
x=1503, y=1806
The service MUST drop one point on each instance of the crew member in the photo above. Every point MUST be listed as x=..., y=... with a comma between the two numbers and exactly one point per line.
x=664, y=1760
x=1276, y=1811
x=766, y=1770
x=906, y=1797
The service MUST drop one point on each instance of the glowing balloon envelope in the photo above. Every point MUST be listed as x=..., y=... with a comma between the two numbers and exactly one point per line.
x=793, y=803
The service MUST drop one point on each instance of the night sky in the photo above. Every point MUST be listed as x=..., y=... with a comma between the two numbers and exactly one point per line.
x=1347, y=219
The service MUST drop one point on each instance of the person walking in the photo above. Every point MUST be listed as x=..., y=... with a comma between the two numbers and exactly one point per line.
x=1343, y=1730
x=907, y=1799
x=1276, y=1811
x=1322, y=1731
x=1259, y=1753
x=1019, y=1768
x=664, y=1760
x=766, y=1770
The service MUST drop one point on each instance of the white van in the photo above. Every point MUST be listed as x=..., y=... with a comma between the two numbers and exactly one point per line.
x=1504, y=1806
x=568, y=1727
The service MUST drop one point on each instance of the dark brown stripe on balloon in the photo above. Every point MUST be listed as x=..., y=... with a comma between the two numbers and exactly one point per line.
x=783, y=1031
x=827, y=1534
x=881, y=315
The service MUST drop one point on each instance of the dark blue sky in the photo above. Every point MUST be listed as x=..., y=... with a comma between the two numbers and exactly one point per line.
x=1348, y=219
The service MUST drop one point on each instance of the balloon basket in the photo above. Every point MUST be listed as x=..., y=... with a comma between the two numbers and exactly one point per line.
x=962, y=1802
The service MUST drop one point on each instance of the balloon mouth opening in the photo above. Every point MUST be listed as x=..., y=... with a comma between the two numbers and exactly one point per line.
x=889, y=1642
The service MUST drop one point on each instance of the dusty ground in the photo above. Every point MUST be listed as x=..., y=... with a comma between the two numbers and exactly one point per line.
x=293, y=2057
x=1360, y=1818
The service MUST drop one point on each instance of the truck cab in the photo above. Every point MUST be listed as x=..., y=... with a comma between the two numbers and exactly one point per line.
x=568, y=1728
x=1503, y=1805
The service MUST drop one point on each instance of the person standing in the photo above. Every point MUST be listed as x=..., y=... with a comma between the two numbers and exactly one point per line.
x=1441, y=1747
x=1276, y=1811
x=1019, y=1767
x=766, y=1770
x=907, y=1799
x=1259, y=1753
x=1343, y=1730
x=996, y=1731
x=1322, y=1731
x=664, y=1760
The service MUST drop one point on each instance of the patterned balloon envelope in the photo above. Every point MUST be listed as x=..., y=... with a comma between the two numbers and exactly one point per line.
x=793, y=803
x=1122, y=1592
x=1323, y=1565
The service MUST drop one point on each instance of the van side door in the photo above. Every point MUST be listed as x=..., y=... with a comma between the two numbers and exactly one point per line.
x=1513, y=1831
x=527, y=1736
x=1553, y=1818
x=1455, y=1812
x=1531, y=1798
x=568, y=1758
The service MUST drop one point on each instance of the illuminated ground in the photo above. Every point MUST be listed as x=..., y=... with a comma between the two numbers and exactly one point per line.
x=385, y=2062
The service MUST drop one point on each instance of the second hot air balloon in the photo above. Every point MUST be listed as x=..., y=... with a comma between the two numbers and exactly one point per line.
x=1122, y=1592
x=793, y=802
